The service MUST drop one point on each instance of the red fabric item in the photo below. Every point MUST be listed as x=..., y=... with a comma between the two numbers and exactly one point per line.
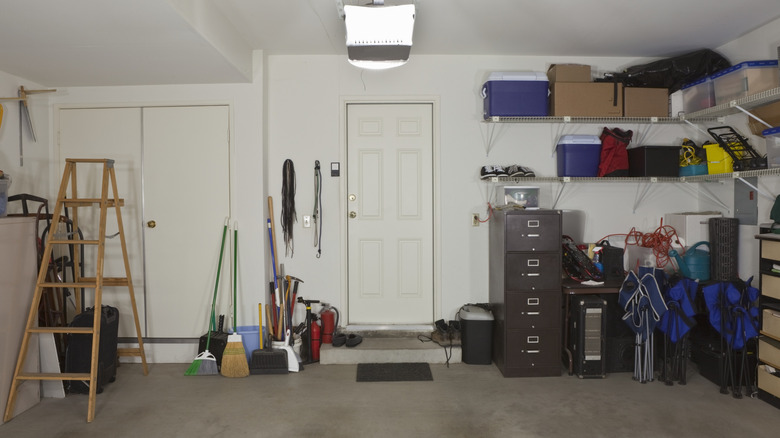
x=614, y=157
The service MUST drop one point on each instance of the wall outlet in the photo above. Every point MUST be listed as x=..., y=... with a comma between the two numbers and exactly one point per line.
x=475, y=220
x=306, y=221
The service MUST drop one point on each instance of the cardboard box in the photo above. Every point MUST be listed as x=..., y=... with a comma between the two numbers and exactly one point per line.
x=569, y=73
x=645, y=102
x=586, y=99
x=769, y=113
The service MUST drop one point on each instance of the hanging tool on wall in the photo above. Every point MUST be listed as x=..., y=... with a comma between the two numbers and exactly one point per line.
x=317, y=214
x=288, y=206
x=24, y=110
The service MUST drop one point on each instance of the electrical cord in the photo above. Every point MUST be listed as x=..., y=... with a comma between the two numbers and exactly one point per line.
x=317, y=214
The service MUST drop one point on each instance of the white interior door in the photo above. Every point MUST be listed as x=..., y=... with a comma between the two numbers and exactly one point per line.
x=172, y=167
x=187, y=195
x=113, y=133
x=390, y=209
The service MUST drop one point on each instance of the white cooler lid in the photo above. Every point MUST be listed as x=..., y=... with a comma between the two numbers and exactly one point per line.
x=474, y=313
x=517, y=76
x=580, y=139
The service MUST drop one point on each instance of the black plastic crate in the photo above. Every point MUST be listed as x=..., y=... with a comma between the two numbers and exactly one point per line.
x=654, y=161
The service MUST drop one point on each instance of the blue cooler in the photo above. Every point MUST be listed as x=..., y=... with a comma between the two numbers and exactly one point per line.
x=579, y=155
x=515, y=94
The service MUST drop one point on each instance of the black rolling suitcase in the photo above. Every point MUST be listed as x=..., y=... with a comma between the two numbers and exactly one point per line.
x=79, y=351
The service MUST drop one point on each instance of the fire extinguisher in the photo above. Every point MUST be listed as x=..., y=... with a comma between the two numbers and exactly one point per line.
x=327, y=316
x=315, y=340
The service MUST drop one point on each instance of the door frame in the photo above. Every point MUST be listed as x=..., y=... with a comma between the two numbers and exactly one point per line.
x=436, y=220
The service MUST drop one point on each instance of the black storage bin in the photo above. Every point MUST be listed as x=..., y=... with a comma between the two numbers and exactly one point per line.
x=476, y=331
x=724, y=239
x=654, y=161
x=79, y=353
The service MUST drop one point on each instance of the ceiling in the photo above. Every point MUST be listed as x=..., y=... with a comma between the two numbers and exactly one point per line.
x=146, y=42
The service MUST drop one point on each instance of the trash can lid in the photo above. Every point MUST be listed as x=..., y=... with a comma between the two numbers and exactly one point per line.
x=471, y=312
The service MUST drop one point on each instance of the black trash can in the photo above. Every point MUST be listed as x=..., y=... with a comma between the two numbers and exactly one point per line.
x=476, y=331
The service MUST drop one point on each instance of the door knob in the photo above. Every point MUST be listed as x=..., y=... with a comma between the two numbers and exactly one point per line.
x=151, y=224
x=352, y=215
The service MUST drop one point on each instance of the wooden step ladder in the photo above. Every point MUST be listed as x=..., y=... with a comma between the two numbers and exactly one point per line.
x=97, y=283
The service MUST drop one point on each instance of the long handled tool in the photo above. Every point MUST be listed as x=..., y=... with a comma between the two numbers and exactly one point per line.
x=205, y=363
x=234, y=362
x=273, y=323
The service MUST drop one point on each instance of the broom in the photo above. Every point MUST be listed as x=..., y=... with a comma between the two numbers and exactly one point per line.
x=234, y=362
x=205, y=364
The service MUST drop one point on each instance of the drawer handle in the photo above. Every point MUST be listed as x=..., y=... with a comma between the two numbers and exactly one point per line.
x=534, y=235
x=531, y=313
x=533, y=301
x=533, y=351
x=533, y=339
x=534, y=274
x=533, y=224
x=533, y=262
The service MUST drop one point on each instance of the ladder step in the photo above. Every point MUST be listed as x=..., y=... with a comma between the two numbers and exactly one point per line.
x=53, y=376
x=74, y=242
x=82, y=284
x=76, y=330
x=128, y=351
x=89, y=282
x=108, y=281
x=80, y=202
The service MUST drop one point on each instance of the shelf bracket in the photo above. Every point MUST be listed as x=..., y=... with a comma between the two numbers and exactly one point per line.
x=489, y=134
x=707, y=194
x=734, y=104
x=696, y=127
x=565, y=180
x=644, y=188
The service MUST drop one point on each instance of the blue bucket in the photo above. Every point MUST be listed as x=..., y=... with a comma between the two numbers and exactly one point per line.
x=693, y=170
x=250, y=336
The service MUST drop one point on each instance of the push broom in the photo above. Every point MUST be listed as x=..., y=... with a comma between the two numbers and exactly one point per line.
x=234, y=362
x=205, y=364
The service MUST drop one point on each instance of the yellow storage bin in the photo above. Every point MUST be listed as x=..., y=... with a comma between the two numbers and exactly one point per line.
x=718, y=160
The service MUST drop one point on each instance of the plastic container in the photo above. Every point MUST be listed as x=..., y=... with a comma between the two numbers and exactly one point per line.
x=4, y=184
x=476, y=334
x=250, y=337
x=718, y=160
x=515, y=94
x=526, y=196
x=693, y=169
x=654, y=161
x=744, y=79
x=698, y=95
x=578, y=155
x=772, y=136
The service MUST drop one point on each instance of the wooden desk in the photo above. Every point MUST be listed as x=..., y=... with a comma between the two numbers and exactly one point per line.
x=570, y=287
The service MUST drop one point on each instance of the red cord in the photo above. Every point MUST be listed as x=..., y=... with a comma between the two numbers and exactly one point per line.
x=660, y=240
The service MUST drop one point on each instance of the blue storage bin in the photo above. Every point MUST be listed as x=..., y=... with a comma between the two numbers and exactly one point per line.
x=515, y=94
x=579, y=155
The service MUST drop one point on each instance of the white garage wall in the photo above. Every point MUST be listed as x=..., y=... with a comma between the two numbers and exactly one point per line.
x=305, y=95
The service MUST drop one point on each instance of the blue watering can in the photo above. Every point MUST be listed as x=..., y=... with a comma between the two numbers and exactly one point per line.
x=695, y=263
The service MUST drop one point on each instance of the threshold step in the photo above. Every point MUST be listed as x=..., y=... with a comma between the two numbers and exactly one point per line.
x=387, y=349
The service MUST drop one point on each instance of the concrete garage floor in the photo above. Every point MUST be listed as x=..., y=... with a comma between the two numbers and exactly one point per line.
x=461, y=401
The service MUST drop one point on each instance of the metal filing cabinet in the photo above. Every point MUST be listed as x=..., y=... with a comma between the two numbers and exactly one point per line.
x=525, y=292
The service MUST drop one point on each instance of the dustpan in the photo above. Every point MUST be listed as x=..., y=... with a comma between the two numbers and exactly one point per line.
x=266, y=360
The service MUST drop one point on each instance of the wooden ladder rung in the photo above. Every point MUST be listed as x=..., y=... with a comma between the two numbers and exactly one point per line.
x=74, y=242
x=108, y=281
x=75, y=330
x=80, y=202
x=81, y=284
x=128, y=351
x=53, y=376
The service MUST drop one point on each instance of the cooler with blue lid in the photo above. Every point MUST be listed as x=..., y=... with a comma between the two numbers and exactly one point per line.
x=579, y=155
x=772, y=136
x=744, y=79
x=515, y=94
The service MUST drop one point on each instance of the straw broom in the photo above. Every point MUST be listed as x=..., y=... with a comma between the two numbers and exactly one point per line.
x=205, y=364
x=234, y=363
